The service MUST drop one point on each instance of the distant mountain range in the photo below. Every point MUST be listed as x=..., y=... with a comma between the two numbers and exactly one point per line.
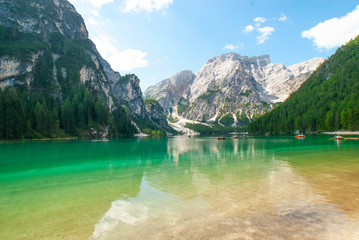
x=327, y=101
x=230, y=90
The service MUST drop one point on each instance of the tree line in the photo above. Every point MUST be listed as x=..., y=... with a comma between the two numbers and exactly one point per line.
x=25, y=114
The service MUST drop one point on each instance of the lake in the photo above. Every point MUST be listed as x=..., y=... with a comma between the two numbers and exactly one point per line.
x=180, y=188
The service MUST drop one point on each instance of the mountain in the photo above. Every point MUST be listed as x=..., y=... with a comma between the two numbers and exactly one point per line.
x=230, y=89
x=47, y=60
x=169, y=92
x=43, y=17
x=328, y=100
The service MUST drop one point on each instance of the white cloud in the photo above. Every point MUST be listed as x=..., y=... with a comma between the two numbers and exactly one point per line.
x=145, y=5
x=260, y=20
x=94, y=12
x=248, y=28
x=230, y=47
x=99, y=3
x=265, y=32
x=334, y=32
x=92, y=21
x=283, y=17
x=125, y=60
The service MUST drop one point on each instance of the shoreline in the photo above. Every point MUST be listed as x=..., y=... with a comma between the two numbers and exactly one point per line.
x=37, y=139
x=341, y=133
x=344, y=133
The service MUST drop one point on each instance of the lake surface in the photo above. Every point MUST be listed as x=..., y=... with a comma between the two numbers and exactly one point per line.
x=180, y=188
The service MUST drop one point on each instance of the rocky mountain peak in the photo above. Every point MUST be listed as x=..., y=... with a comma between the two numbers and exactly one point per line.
x=224, y=57
x=181, y=77
x=231, y=85
x=43, y=17
x=260, y=61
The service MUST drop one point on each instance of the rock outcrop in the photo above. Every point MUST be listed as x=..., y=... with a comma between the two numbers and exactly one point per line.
x=155, y=112
x=127, y=91
x=170, y=91
x=11, y=67
x=43, y=17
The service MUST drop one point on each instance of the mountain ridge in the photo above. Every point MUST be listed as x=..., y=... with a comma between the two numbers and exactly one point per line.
x=230, y=84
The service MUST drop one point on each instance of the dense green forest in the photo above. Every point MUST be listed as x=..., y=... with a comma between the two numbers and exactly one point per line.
x=327, y=101
x=30, y=114
x=50, y=109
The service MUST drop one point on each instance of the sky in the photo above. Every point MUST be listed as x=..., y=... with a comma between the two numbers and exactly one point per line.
x=155, y=39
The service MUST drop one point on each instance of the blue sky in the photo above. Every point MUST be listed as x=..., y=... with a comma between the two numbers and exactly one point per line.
x=157, y=38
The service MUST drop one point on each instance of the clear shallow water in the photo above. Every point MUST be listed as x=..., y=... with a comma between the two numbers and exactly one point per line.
x=180, y=188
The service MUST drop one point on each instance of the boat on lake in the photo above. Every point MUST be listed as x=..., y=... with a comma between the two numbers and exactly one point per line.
x=221, y=138
x=300, y=136
x=234, y=137
x=338, y=137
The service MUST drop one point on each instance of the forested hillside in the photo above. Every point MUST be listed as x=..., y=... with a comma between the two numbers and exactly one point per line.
x=49, y=108
x=328, y=100
x=54, y=82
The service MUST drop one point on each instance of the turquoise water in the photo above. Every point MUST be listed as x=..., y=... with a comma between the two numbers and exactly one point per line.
x=180, y=188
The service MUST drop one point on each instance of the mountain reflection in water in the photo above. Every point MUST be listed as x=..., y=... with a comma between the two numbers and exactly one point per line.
x=242, y=189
